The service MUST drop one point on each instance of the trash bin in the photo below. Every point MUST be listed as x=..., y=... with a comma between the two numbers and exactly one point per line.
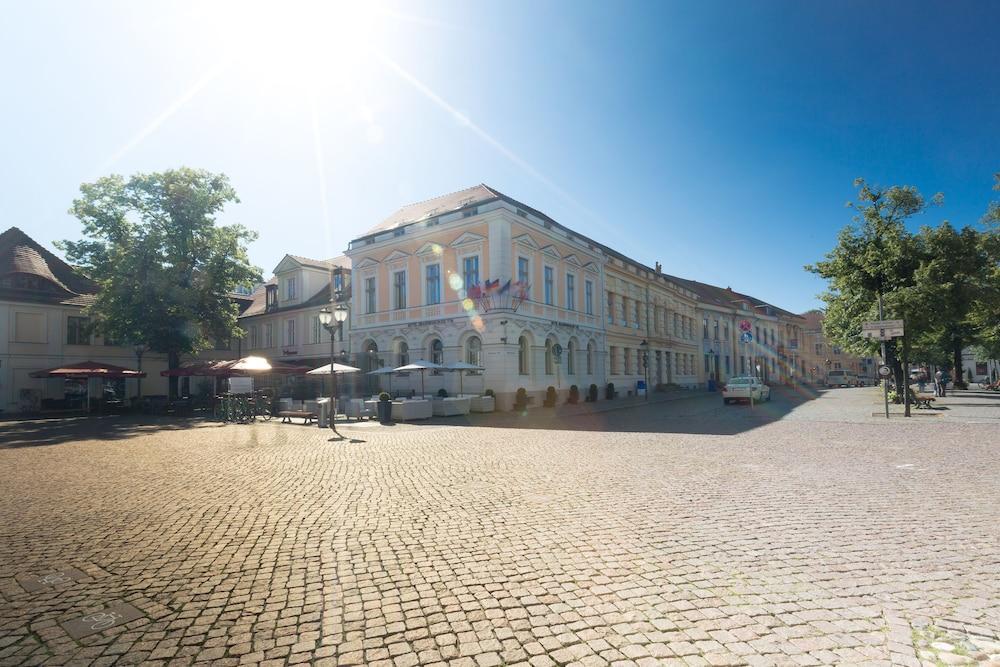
x=323, y=417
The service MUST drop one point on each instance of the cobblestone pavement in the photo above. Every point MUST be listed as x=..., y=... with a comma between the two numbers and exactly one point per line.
x=686, y=534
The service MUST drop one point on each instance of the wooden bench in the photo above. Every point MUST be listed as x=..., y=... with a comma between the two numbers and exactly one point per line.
x=921, y=401
x=288, y=415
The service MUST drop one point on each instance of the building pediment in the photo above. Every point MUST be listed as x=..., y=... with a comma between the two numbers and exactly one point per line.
x=365, y=263
x=527, y=241
x=551, y=251
x=395, y=256
x=468, y=238
x=287, y=263
x=571, y=259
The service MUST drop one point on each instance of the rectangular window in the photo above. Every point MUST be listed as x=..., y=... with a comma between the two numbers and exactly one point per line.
x=819, y=348
x=757, y=330
x=433, y=285
x=611, y=308
x=269, y=334
x=588, y=297
x=290, y=333
x=316, y=328
x=290, y=288
x=623, y=311
x=399, y=290
x=549, y=286
x=725, y=332
x=677, y=325
x=370, y=295
x=522, y=271
x=715, y=330
x=836, y=350
x=613, y=356
x=338, y=282
x=628, y=361
x=708, y=364
x=470, y=271
x=571, y=291
x=253, y=337
x=77, y=331
x=704, y=328
x=635, y=314
x=727, y=364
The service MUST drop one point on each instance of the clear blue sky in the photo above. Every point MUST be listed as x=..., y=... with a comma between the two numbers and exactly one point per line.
x=720, y=139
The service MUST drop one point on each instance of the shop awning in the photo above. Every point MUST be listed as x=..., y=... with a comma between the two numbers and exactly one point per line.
x=89, y=369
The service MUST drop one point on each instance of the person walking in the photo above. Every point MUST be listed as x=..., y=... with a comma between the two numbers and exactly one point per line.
x=921, y=380
x=945, y=379
x=937, y=382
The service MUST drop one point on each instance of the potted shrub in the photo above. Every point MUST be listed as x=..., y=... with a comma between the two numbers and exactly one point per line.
x=610, y=391
x=520, y=399
x=592, y=393
x=442, y=393
x=574, y=395
x=385, y=408
x=550, y=397
x=489, y=392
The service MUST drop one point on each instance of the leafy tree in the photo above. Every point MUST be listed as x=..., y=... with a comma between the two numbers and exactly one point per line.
x=875, y=259
x=164, y=267
x=992, y=216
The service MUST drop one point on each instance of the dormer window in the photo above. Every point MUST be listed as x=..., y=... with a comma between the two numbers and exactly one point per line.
x=271, y=297
x=291, y=289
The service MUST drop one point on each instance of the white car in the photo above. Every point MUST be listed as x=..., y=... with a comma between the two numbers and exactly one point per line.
x=744, y=389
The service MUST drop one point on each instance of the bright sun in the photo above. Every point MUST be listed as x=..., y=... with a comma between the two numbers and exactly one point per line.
x=306, y=42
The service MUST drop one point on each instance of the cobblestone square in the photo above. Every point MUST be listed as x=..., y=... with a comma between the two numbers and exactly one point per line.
x=688, y=533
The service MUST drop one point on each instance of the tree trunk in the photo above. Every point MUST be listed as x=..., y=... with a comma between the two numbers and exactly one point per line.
x=897, y=368
x=956, y=372
x=173, y=361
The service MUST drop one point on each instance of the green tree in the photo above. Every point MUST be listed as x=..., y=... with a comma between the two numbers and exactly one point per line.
x=875, y=260
x=164, y=267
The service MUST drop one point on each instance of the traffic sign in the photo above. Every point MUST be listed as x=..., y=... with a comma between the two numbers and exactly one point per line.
x=746, y=337
x=745, y=325
x=884, y=371
x=882, y=329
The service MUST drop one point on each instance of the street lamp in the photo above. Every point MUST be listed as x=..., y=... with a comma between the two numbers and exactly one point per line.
x=644, y=346
x=139, y=349
x=333, y=320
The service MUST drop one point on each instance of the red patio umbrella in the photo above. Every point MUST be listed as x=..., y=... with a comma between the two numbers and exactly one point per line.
x=84, y=370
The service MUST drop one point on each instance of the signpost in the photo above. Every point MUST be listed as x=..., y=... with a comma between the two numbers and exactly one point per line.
x=882, y=330
x=885, y=330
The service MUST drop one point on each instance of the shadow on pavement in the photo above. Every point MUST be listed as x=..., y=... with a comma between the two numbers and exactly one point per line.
x=55, y=431
x=697, y=414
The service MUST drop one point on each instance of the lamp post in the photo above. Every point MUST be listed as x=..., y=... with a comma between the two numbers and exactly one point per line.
x=139, y=349
x=333, y=320
x=644, y=346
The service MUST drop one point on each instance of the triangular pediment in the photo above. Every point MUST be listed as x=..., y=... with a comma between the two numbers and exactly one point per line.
x=526, y=240
x=365, y=263
x=395, y=256
x=468, y=238
x=429, y=249
x=571, y=259
x=287, y=263
x=551, y=251
x=590, y=266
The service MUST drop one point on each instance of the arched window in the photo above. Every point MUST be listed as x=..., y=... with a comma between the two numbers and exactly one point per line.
x=437, y=351
x=522, y=356
x=474, y=351
x=550, y=362
x=571, y=358
x=403, y=352
x=590, y=358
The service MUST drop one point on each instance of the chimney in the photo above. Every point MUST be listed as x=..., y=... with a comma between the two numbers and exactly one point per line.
x=659, y=268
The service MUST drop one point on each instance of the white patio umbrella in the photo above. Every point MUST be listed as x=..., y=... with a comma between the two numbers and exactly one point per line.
x=462, y=367
x=337, y=368
x=385, y=370
x=420, y=365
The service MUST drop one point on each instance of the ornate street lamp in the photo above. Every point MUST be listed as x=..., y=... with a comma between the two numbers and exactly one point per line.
x=644, y=346
x=333, y=321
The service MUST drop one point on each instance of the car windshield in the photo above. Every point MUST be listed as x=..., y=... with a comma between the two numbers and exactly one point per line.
x=740, y=381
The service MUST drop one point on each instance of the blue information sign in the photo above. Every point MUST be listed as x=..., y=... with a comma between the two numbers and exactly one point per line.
x=746, y=337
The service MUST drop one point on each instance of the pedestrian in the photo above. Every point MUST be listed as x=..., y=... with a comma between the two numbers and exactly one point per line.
x=937, y=382
x=945, y=379
x=921, y=381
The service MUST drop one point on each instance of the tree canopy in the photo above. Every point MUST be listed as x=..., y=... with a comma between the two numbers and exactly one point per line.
x=165, y=268
x=944, y=282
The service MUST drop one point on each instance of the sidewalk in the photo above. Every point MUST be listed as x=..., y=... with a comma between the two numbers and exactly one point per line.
x=961, y=405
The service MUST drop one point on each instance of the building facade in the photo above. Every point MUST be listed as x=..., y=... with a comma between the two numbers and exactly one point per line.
x=821, y=356
x=43, y=325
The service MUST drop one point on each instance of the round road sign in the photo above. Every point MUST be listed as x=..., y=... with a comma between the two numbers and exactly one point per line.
x=884, y=371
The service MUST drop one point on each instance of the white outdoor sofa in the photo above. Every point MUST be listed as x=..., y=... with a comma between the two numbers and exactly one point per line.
x=407, y=409
x=355, y=409
x=451, y=406
x=482, y=404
